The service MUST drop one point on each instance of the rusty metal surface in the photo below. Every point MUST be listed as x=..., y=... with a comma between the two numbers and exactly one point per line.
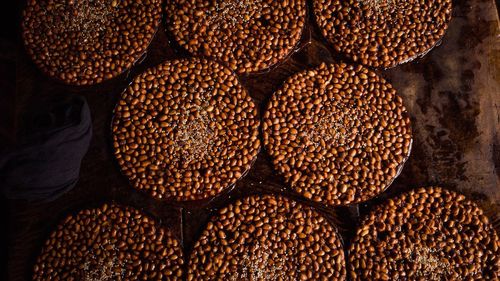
x=452, y=95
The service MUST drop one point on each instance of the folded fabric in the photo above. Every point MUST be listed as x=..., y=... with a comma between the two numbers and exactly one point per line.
x=46, y=163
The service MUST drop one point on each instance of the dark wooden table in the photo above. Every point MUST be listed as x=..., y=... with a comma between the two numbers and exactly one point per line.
x=452, y=94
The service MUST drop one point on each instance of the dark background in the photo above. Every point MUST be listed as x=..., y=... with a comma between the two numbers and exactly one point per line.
x=452, y=95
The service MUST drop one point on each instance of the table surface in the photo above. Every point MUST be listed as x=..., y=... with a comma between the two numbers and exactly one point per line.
x=452, y=95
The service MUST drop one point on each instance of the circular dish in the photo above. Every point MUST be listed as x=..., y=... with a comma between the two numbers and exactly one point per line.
x=109, y=243
x=383, y=33
x=338, y=133
x=267, y=238
x=426, y=234
x=185, y=130
x=87, y=42
x=246, y=35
